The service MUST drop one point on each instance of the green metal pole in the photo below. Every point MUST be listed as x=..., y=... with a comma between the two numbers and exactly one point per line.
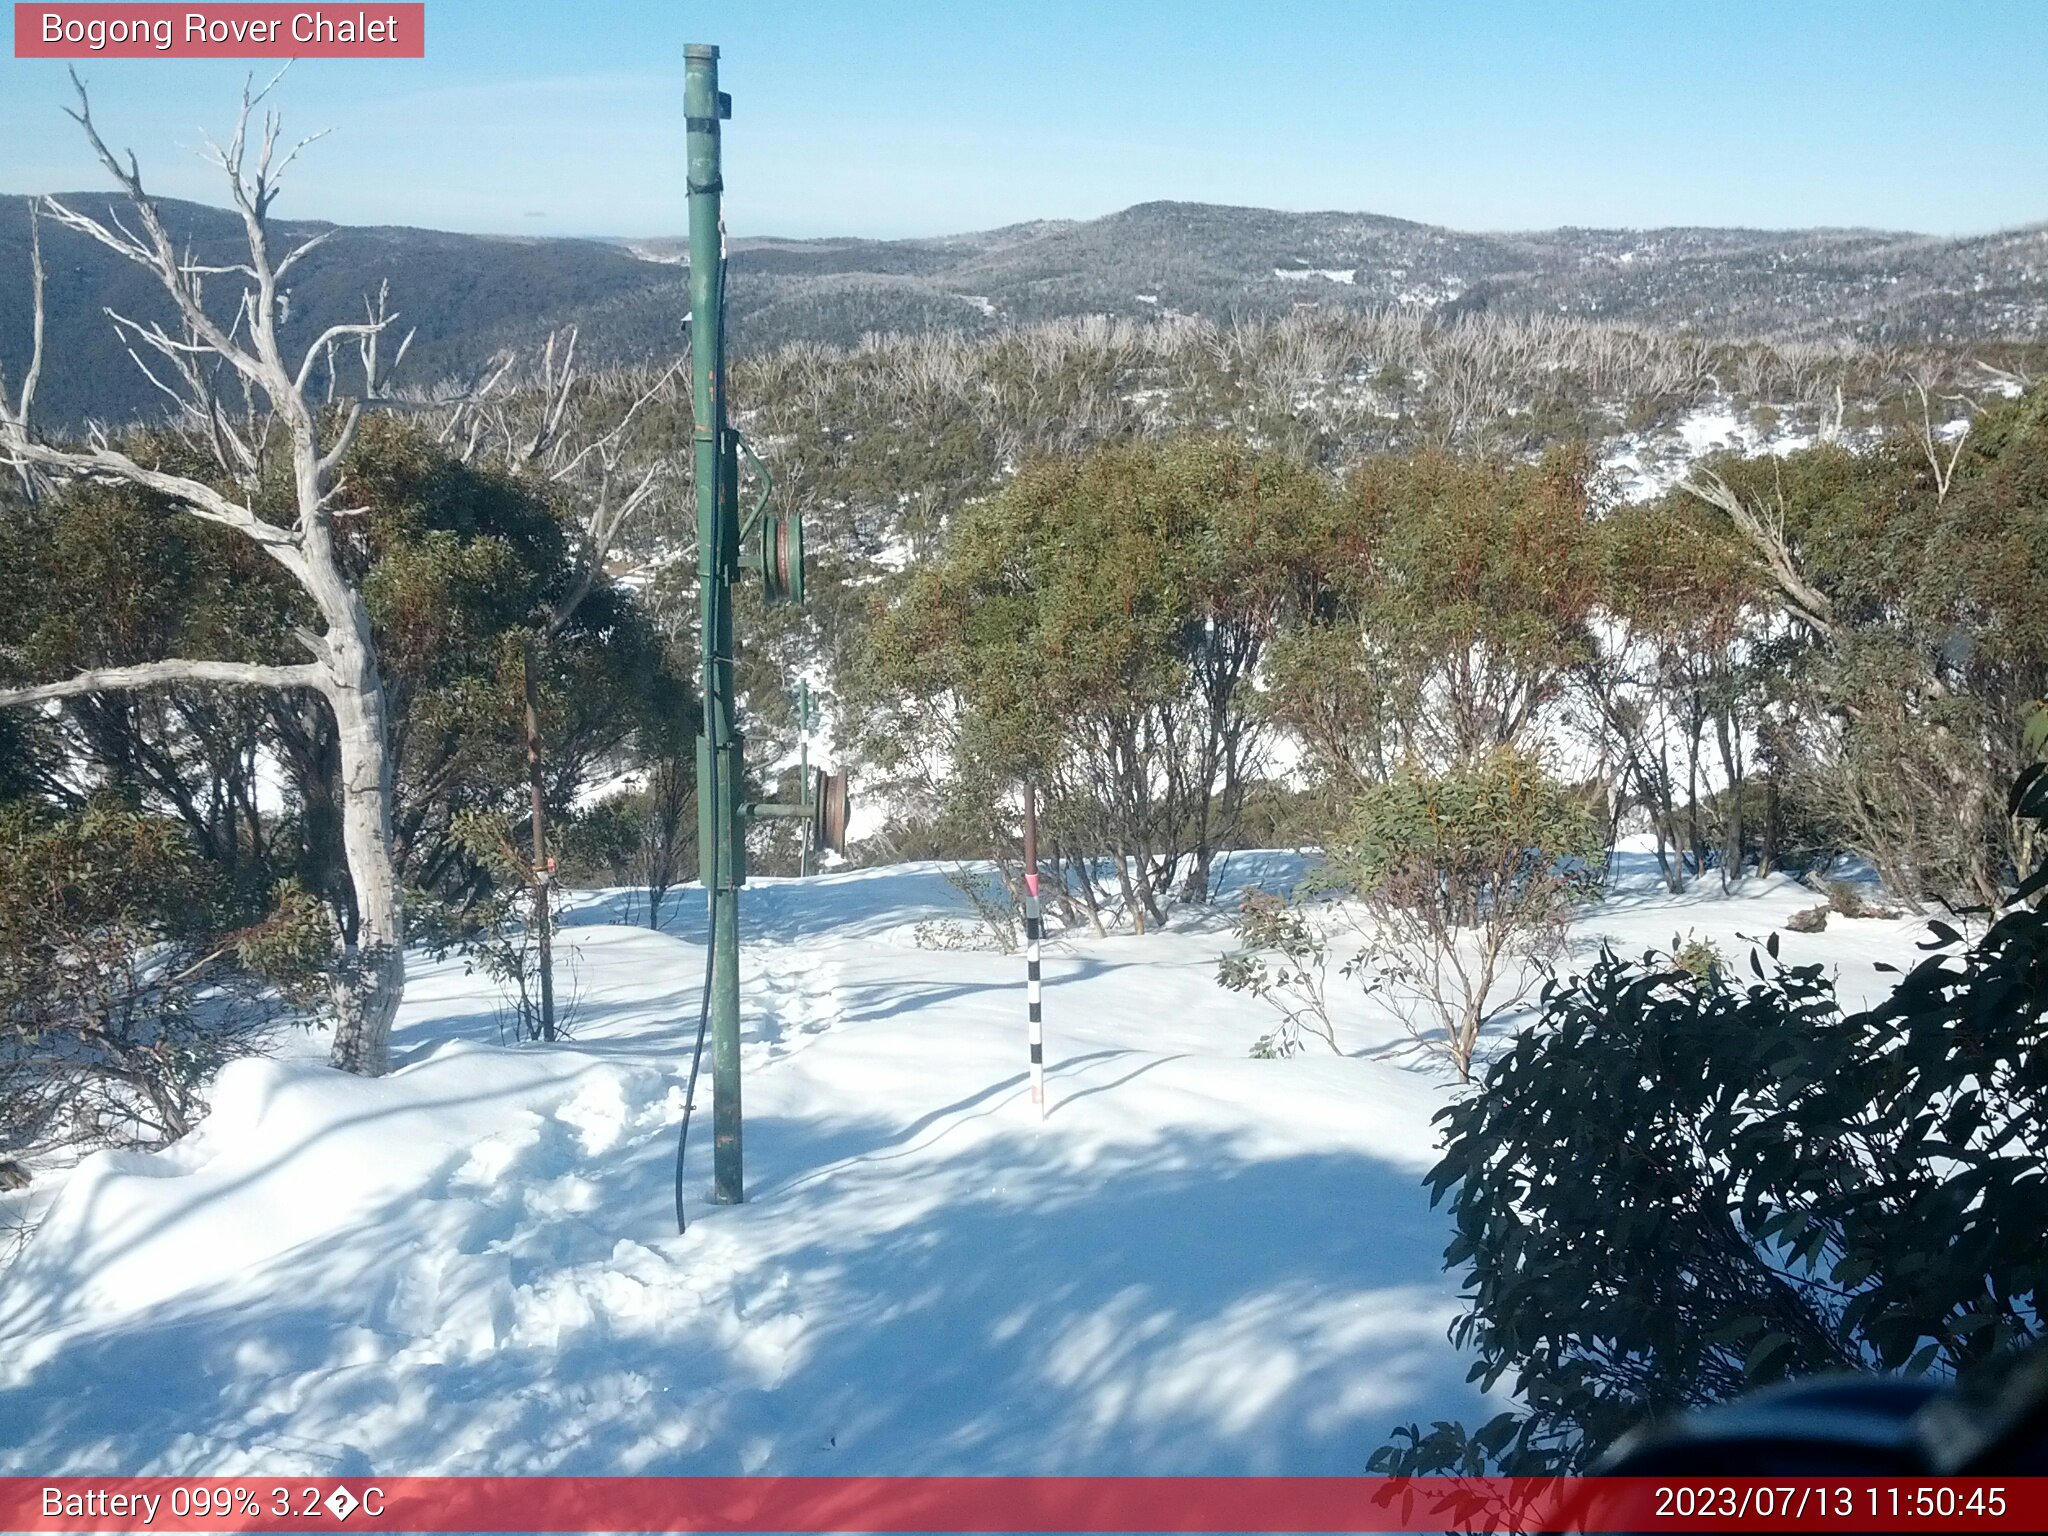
x=721, y=852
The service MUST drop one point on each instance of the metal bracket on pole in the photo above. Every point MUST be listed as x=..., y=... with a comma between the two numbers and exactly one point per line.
x=824, y=807
x=767, y=487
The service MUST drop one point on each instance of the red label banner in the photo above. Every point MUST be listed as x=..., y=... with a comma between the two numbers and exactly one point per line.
x=152, y=31
x=1019, y=1504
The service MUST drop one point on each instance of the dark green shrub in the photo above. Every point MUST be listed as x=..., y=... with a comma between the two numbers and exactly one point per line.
x=1672, y=1189
x=123, y=985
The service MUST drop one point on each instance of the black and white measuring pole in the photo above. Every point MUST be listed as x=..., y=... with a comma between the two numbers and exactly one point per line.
x=1034, y=930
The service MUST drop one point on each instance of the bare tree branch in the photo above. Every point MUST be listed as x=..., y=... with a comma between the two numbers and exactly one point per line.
x=155, y=674
x=201, y=500
x=602, y=446
x=602, y=527
x=1765, y=532
x=2017, y=378
x=1944, y=474
x=25, y=404
x=16, y=418
x=328, y=337
x=556, y=383
x=302, y=250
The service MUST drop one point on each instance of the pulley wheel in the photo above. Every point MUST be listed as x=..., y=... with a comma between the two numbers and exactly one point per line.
x=828, y=811
x=782, y=557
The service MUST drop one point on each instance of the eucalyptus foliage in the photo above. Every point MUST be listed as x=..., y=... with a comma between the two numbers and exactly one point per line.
x=1468, y=880
x=1097, y=628
x=1676, y=1186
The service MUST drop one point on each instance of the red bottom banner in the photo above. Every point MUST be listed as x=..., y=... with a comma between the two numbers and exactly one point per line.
x=1020, y=1504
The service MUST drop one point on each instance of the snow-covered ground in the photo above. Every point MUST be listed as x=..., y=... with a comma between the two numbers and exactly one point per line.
x=1644, y=465
x=1198, y=1262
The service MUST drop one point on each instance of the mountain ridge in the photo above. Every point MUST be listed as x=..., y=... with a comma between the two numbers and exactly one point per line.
x=473, y=295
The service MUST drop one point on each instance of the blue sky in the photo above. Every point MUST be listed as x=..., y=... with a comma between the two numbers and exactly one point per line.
x=904, y=117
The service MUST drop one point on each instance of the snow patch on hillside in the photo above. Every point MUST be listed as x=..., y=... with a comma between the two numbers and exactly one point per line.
x=667, y=256
x=1641, y=466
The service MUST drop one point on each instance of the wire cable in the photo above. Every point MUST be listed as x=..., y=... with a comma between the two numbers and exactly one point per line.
x=704, y=1009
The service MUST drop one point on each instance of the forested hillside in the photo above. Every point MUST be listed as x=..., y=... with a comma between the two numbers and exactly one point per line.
x=462, y=296
x=470, y=295
x=1221, y=262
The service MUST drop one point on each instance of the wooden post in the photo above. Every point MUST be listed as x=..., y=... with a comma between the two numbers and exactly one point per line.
x=542, y=875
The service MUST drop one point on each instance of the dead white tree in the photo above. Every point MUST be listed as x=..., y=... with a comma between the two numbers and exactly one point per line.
x=1762, y=526
x=15, y=413
x=280, y=418
x=1931, y=437
x=584, y=452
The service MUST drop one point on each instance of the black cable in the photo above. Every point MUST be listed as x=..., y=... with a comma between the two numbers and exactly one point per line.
x=710, y=787
x=704, y=1010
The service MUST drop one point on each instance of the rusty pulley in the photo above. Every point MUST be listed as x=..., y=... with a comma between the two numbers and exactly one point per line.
x=782, y=557
x=828, y=811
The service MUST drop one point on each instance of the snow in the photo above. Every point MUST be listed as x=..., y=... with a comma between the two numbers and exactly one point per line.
x=640, y=576
x=678, y=257
x=1642, y=466
x=1328, y=274
x=895, y=553
x=1197, y=1263
x=601, y=787
x=273, y=787
x=1429, y=295
x=1708, y=429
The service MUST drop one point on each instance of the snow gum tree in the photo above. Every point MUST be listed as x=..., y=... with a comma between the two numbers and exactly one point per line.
x=1468, y=880
x=457, y=566
x=1452, y=602
x=265, y=421
x=1913, y=582
x=1674, y=675
x=1097, y=627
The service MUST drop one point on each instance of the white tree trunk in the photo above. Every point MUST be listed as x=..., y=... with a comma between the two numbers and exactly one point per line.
x=368, y=986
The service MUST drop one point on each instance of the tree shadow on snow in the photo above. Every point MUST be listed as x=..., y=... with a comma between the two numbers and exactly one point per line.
x=845, y=904
x=1143, y=1301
